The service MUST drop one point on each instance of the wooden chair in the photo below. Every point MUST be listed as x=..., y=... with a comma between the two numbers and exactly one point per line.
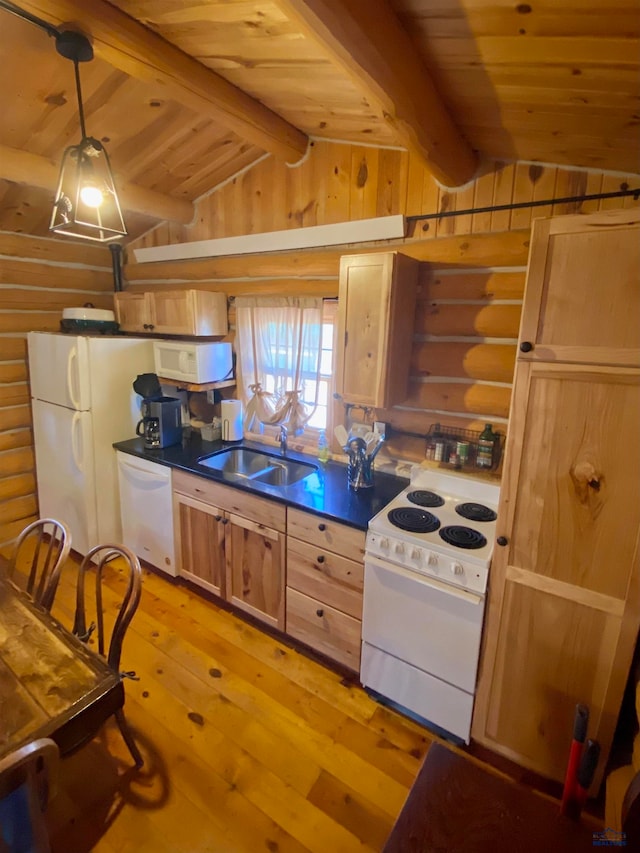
x=41, y=549
x=100, y=555
x=25, y=782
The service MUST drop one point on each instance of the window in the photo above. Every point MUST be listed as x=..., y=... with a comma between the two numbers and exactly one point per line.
x=285, y=355
x=322, y=418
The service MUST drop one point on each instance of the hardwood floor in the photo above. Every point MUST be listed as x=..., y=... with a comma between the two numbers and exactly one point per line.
x=248, y=744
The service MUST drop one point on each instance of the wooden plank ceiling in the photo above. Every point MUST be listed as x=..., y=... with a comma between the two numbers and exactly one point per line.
x=185, y=94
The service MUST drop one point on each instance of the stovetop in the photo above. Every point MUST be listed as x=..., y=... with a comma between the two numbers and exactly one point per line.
x=442, y=525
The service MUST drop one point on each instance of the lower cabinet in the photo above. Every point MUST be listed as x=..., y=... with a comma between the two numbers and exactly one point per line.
x=325, y=574
x=231, y=544
x=235, y=545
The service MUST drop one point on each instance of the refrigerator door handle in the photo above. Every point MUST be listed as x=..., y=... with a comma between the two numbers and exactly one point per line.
x=77, y=458
x=72, y=363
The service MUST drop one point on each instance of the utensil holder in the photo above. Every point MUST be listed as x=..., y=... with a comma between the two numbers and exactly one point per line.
x=360, y=475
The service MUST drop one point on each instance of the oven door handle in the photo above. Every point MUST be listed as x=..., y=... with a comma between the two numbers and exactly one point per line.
x=426, y=580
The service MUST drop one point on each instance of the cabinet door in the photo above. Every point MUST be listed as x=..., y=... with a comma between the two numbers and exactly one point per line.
x=173, y=312
x=199, y=530
x=255, y=569
x=376, y=308
x=133, y=312
x=582, y=299
x=564, y=601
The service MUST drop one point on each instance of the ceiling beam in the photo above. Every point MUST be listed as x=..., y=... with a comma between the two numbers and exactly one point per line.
x=366, y=39
x=21, y=167
x=129, y=46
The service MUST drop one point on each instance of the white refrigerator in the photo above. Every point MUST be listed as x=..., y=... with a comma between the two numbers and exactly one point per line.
x=82, y=401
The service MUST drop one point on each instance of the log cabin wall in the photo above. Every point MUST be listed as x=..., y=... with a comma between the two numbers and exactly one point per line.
x=470, y=298
x=38, y=278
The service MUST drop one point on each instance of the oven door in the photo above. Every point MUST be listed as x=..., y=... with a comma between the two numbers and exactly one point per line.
x=434, y=626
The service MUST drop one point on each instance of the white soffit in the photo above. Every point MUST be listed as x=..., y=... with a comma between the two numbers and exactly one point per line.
x=358, y=231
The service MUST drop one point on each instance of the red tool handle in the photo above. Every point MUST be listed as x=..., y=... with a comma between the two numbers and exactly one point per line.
x=586, y=772
x=569, y=794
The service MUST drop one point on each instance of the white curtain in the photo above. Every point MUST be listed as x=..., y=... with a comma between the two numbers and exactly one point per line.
x=278, y=346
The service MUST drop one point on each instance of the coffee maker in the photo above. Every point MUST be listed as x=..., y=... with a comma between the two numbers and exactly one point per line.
x=161, y=422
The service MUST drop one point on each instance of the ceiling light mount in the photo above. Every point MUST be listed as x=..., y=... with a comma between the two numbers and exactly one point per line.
x=86, y=202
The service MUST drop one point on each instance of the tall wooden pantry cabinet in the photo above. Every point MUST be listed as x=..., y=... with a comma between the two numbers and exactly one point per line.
x=564, y=599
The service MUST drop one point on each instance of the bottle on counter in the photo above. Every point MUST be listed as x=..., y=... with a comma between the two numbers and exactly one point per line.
x=323, y=447
x=486, y=442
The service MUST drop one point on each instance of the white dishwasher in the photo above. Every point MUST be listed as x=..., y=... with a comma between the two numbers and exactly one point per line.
x=146, y=511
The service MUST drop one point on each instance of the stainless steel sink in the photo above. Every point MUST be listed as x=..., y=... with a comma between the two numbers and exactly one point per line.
x=241, y=463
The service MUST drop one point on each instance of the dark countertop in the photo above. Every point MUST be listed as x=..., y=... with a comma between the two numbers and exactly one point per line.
x=324, y=492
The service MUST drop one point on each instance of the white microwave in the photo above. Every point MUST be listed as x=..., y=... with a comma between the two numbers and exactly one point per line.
x=193, y=362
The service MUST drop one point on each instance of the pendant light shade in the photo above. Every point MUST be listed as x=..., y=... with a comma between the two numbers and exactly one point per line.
x=86, y=203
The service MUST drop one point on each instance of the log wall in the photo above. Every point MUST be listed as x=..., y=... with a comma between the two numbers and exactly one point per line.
x=470, y=298
x=38, y=278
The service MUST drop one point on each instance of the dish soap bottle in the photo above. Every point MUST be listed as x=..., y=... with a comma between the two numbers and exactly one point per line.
x=323, y=447
x=484, y=453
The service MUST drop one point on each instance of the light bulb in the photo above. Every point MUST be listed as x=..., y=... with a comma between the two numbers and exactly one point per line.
x=91, y=195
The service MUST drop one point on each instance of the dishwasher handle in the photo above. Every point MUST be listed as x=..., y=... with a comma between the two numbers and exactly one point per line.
x=159, y=477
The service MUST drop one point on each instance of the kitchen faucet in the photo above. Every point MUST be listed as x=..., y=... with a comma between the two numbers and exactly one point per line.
x=283, y=439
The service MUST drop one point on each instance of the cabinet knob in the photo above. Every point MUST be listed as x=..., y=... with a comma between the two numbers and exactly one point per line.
x=218, y=517
x=145, y=326
x=526, y=346
x=322, y=527
x=502, y=540
x=225, y=521
x=151, y=326
x=320, y=558
x=319, y=612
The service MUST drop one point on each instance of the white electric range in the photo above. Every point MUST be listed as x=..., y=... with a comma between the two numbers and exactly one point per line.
x=427, y=562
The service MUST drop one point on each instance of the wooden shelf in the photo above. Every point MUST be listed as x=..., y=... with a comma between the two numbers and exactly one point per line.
x=193, y=386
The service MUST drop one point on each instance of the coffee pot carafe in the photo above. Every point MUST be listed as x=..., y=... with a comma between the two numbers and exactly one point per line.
x=161, y=421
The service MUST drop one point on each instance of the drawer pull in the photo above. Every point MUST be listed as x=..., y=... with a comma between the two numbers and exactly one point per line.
x=319, y=612
x=320, y=558
x=322, y=527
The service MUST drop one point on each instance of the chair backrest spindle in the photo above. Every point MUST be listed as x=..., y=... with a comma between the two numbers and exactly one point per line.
x=50, y=541
x=100, y=555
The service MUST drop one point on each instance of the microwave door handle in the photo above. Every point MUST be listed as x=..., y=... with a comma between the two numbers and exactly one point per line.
x=183, y=361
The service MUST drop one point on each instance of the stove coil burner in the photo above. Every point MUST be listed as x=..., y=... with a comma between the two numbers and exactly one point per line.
x=413, y=520
x=476, y=512
x=462, y=537
x=424, y=498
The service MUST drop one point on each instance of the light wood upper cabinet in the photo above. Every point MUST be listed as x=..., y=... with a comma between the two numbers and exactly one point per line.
x=582, y=299
x=376, y=315
x=564, y=595
x=173, y=312
x=133, y=312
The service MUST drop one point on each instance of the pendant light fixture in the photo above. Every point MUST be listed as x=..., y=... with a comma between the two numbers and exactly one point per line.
x=86, y=202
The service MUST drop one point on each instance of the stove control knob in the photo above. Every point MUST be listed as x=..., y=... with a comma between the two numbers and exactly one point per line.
x=416, y=554
x=384, y=543
x=399, y=549
x=456, y=568
x=432, y=559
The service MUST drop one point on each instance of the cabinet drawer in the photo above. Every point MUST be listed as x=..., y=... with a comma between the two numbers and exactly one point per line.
x=328, y=577
x=263, y=511
x=323, y=628
x=327, y=534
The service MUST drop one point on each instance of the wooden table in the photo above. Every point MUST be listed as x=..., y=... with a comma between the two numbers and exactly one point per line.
x=51, y=684
x=459, y=806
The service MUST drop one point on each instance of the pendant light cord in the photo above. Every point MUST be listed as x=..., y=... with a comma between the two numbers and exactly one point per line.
x=27, y=16
x=76, y=69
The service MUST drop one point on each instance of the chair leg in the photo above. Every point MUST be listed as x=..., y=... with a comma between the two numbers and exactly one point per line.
x=128, y=738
